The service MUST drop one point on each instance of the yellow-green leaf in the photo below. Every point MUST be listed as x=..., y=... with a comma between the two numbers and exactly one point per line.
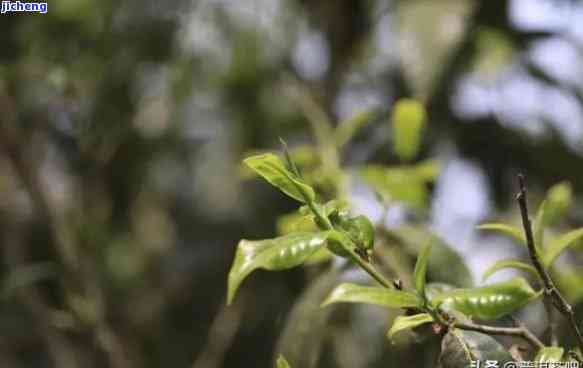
x=488, y=302
x=282, y=363
x=559, y=244
x=408, y=122
x=539, y=226
x=401, y=184
x=509, y=263
x=559, y=199
x=427, y=171
x=508, y=230
x=272, y=169
x=549, y=354
x=351, y=293
x=406, y=322
x=272, y=254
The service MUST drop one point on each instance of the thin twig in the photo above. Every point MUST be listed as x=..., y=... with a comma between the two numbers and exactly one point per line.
x=550, y=290
x=521, y=332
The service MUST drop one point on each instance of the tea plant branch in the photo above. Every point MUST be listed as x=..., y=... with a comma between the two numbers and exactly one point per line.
x=521, y=332
x=550, y=290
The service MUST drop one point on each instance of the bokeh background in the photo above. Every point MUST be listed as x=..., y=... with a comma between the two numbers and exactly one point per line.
x=122, y=199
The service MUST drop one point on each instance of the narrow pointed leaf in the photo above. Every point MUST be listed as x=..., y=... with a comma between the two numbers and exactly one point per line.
x=282, y=363
x=560, y=244
x=272, y=254
x=408, y=122
x=351, y=293
x=549, y=354
x=272, y=169
x=508, y=230
x=539, y=226
x=421, y=270
x=488, y=302
x=406, y=322
x=291, y=166
x=509, y=263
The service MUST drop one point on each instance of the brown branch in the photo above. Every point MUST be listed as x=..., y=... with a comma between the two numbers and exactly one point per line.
x=552, y=293
x=521, y=332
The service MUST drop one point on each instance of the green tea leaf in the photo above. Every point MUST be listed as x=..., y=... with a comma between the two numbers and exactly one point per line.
x=549, y=354
x=559, y=199
x=427, y=171
x=421, y=270
x=397, y=184
x=539, y=227
x=272, y=169
x=291, y=166
x=488, y=302
x=272, y=254
x=459, y=348
x=569, y=282
x=406, y=322
x=511, y=231
x=295, y=222
x=445, y=264
x=359, y=229
x=282, y=363
x=351, y=293
x=509, y=263
x=348, y=128
x=560, y=244
x=408, y=122
x=306, y=325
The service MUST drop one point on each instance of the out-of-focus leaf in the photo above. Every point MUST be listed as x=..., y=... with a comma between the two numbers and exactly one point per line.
x=460, y=348
x=408, y=122
x=559, y=199
x=295, y=222
x=488, y=302
x=509, y=263
x=397, y=184
x=445, y=264
x=25, y=276
x=427, y=171
x=553, y=208
x=272, y=254
x=282, y=363
x=348, y=128
x=569, y=283
x=272, y=169
x=509, y=230
x=421, y=270
x=549, y=354
x=539, y=226
x=560, y=244
x=306, y=325
x=406, y=322
x=351, y=293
